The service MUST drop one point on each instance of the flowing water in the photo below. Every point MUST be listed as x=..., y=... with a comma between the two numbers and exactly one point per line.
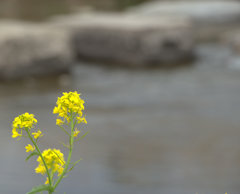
x=150, y=130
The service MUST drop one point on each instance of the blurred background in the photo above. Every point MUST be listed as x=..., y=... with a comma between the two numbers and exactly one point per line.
x=161, y=81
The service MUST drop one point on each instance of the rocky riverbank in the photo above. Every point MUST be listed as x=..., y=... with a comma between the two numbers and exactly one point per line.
x=156, y=33
x=131, y=41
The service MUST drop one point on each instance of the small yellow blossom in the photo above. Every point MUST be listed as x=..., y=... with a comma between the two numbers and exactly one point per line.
x=76, y=132
x=60, y=170
x=29, y=148
x=54, y=160
x=81, y=120
x=59, y=122
x=15, y=133
x=40, y=169
x=25, y=120
x=47, y=181
x=37, y=134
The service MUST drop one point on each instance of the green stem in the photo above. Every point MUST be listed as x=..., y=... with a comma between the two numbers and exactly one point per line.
x=71, y=140
x=40, y=154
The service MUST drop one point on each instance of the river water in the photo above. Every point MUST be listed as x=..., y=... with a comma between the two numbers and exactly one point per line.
x=150, y=130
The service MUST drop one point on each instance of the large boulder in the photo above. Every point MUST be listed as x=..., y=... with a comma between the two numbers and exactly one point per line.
x=133, y=41
x=32, y=50
x=202, y=12
x=210, y=18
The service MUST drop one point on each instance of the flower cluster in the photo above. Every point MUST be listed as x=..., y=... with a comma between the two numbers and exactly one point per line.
x=54, y=160
x=67, y=105
x=24, y=121
x=51, y=162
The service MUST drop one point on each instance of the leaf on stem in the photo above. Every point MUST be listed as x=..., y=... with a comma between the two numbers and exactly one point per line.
x=32, y=154
x=64, y=130
x=74, y=164
x=81, y=137
x=65, y=145
x=41, y=188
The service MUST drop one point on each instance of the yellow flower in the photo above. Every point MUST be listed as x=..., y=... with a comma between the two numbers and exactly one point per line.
x=81, y=120
x=76, y=132
x=29, y=148
x=59, y=122
x=37, y=134
x=16, y=122
x=70, y=103
x=47, y=181
x=40, y=169
x=15, y=133
x=54, y=160
x=25, y=120
x=60, y=170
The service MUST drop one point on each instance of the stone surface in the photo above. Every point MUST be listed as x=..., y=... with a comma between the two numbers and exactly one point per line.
x=202, y=12
x=133, y=41
x=232, y=39
x=32, y=50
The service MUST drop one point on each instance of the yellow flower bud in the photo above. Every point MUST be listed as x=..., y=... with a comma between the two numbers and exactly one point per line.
x=29, y=148
x=37, y=134
x=76, y=132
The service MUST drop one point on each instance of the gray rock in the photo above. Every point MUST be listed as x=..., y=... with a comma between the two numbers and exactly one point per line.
x=133, y=41
x=32, y=50
x=232, y=39
x=202, y=12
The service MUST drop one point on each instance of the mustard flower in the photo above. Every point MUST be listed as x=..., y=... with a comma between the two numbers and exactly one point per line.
x=51, y=162
x=37, y=134
x=47, y=181
x=40, y=169
x=15, y=133
x=29, y=148
x=25, y=120
x=81, y=120
x=54, y=160
x=76, y=132
x=69, y=103
x=59, y=122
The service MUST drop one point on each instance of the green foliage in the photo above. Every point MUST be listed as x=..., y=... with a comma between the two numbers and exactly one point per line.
x=40, y=188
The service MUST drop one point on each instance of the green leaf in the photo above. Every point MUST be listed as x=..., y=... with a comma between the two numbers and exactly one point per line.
x=81, y=137
x=40, y=188
x=64, y=130
x=65, y=145
x=74, y=164
x=32, y=154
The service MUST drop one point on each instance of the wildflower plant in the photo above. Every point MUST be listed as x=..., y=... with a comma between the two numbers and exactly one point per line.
x=51, y=162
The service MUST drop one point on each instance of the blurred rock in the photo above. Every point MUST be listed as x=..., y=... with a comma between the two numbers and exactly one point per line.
x=32, y=50
x=201, y=11
x=210, y=18
x=232, y=39
x=132, y=41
